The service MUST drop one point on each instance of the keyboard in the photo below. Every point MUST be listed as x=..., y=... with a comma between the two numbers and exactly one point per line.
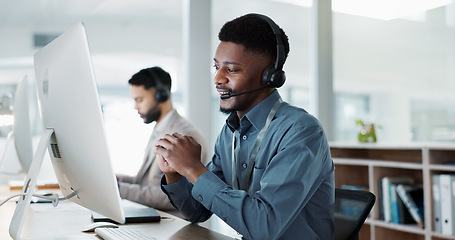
x=121, y=234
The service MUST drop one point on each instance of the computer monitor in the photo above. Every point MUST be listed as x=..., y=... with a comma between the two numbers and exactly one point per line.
x=21, y=128
x=21, y=132
x=74, y=129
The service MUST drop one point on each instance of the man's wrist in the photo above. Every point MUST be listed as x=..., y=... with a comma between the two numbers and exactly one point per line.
x=194, y=173
x=172, y=177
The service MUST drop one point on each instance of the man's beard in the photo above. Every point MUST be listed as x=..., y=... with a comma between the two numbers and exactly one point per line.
x=234, y=108
x=238, y=105
x=226, y=110
x=152, y=115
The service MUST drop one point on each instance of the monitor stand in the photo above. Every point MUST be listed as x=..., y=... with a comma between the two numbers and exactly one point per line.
x=23, y=204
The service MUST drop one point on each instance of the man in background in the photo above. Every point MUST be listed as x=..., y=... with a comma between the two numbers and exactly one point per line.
x=150, y=89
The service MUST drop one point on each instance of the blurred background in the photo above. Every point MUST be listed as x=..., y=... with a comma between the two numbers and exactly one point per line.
x=393, y=64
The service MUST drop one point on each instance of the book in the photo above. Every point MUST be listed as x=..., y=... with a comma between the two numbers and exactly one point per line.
x=386, y=198
x=379, y=199
x=404, y=215
x=393, y=204
x=436, y=204
x=452, y=199
x=412, y=197
x=445, y=182
x=400, y=213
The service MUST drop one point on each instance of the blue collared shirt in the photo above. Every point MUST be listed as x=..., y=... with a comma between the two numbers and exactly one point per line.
x=292, y=184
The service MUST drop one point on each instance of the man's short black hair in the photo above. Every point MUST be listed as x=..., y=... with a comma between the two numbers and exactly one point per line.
x=147, y=77
x=254, y=33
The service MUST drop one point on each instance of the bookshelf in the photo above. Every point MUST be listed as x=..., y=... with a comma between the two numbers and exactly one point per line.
x=364, y=164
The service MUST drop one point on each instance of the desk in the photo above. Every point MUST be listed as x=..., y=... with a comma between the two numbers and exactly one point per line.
x=66, y=221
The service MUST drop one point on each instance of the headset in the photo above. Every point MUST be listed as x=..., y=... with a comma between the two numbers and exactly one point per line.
x=161, y=94
x=274, y=76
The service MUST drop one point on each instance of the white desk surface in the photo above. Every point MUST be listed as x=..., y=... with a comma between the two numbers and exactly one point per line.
x=68, y=219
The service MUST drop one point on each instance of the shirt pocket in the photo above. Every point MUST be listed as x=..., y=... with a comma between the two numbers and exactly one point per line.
x=258, y=171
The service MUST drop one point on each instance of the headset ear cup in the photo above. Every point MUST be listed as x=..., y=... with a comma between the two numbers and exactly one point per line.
x=272, y=77
x=278, y=78
x=267, y=75
x=161, y=95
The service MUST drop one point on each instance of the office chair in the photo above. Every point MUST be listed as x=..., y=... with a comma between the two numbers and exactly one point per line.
x=351, y=210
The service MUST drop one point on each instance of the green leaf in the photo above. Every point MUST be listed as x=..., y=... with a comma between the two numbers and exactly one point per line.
x=359, y=122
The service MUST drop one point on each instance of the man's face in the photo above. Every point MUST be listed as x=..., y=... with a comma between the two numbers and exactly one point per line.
x=238, y=71
x=145, y=103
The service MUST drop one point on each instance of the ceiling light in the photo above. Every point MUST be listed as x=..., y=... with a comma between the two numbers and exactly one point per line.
x=386, y=9
x=378, y=9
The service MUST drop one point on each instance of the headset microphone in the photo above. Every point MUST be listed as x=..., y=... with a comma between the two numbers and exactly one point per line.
x=226, y=96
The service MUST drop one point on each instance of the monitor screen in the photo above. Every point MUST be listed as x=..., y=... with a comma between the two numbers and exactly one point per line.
x=69, y=105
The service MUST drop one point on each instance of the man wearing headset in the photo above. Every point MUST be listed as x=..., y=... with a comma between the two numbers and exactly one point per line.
x=271, y=176
x=150, y=89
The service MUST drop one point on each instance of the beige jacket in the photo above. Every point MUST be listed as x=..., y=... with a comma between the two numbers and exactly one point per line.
x=145, y=187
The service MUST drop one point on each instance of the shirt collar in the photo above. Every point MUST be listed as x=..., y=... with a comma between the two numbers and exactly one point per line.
x=257, y=116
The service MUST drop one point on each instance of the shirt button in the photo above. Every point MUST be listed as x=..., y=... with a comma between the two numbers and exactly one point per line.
x=200, y=198
x=244, y=165
x=244, y=137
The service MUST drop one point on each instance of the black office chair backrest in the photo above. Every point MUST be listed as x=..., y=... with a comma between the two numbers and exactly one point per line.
x=351, y=210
